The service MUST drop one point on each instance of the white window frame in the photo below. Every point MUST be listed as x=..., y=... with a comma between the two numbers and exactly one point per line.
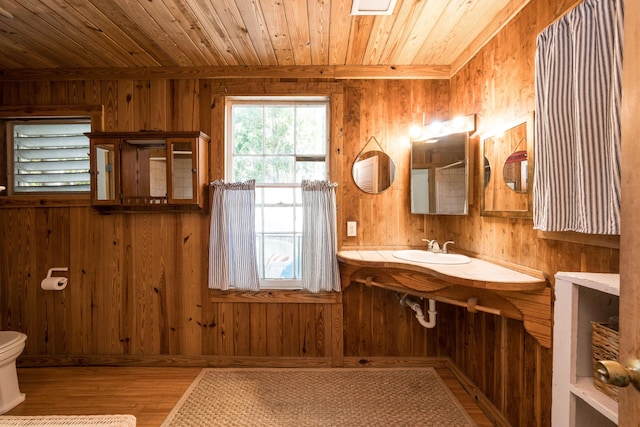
x=10, y=124
x=273, y=284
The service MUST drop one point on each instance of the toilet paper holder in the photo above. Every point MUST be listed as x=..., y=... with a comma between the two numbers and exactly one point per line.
x=54, y=283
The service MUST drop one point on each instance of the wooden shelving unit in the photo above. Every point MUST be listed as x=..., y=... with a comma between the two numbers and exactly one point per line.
x=581, y=298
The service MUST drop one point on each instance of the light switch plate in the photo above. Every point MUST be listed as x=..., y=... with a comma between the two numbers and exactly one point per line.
x=352, y=229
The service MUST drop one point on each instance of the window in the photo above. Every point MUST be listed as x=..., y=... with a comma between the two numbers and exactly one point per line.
x=48, y=155
x=278, y=142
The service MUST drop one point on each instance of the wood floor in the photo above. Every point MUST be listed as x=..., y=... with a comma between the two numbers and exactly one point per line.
x=147, y=393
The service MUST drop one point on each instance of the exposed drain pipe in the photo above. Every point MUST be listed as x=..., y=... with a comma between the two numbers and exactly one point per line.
x=417, y=308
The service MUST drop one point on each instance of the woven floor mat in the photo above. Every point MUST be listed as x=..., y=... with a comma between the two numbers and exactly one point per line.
x=318, y=397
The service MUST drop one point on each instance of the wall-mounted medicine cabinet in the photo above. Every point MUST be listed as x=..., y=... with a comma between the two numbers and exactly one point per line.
x=148, y=170
x=440, y=175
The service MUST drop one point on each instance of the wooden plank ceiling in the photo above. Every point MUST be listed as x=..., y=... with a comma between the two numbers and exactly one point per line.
x=244, y=38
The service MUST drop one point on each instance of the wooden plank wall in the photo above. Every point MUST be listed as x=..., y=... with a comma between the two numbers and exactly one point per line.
x=385, y=109
x=138, y=281
x=497, y=354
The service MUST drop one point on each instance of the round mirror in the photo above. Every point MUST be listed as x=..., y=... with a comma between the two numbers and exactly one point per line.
x=515, y=171
x=373, y=171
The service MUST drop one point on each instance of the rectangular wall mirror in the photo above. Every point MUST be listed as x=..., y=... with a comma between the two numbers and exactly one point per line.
x=507, y=170
x=440, y=175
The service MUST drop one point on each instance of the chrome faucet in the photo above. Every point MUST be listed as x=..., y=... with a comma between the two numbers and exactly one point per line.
x=434, y=246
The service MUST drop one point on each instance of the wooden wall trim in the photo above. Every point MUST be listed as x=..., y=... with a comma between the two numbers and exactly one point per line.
x=391, y=72
x=277, y=296
x=49, y=360
x=601, y=240
x=233, y=87
x=50, y=110
x=96, y=112
x=44, y=201
x=489, y=409
x=396, y=362
x=629, y=409
x=338, y=72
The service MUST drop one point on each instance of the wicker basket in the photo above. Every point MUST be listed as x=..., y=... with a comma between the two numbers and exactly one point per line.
x=604, y=343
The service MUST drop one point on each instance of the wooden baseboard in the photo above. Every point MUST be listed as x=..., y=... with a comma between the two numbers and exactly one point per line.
x=40, y=361
x=393, y=362
x=29, y=361
x=489, y=409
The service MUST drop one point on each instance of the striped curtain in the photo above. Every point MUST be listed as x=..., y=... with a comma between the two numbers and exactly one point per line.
x=578, y=66
x=232, y=240
x=319, y=237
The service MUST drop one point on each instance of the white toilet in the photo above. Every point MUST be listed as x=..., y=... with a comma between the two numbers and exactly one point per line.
x=11, y=345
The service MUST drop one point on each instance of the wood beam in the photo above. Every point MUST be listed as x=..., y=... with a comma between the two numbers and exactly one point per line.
x=337, y=72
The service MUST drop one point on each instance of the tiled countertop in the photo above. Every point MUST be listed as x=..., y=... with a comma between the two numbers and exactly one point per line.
x=477, y=273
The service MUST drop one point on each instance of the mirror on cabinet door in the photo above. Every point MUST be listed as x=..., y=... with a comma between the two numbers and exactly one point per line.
x=182, y=170
x=508, y=170
x=440, y=175
x=105, y=172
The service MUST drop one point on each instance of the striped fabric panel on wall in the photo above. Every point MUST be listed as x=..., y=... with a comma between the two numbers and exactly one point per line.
x=577, y=131
x=232, y=241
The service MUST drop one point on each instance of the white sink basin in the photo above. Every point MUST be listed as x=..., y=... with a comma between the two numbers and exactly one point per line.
x=417, y=255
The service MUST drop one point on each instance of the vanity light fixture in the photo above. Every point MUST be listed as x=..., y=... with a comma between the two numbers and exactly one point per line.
x=372, y=7
x=430, y=133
